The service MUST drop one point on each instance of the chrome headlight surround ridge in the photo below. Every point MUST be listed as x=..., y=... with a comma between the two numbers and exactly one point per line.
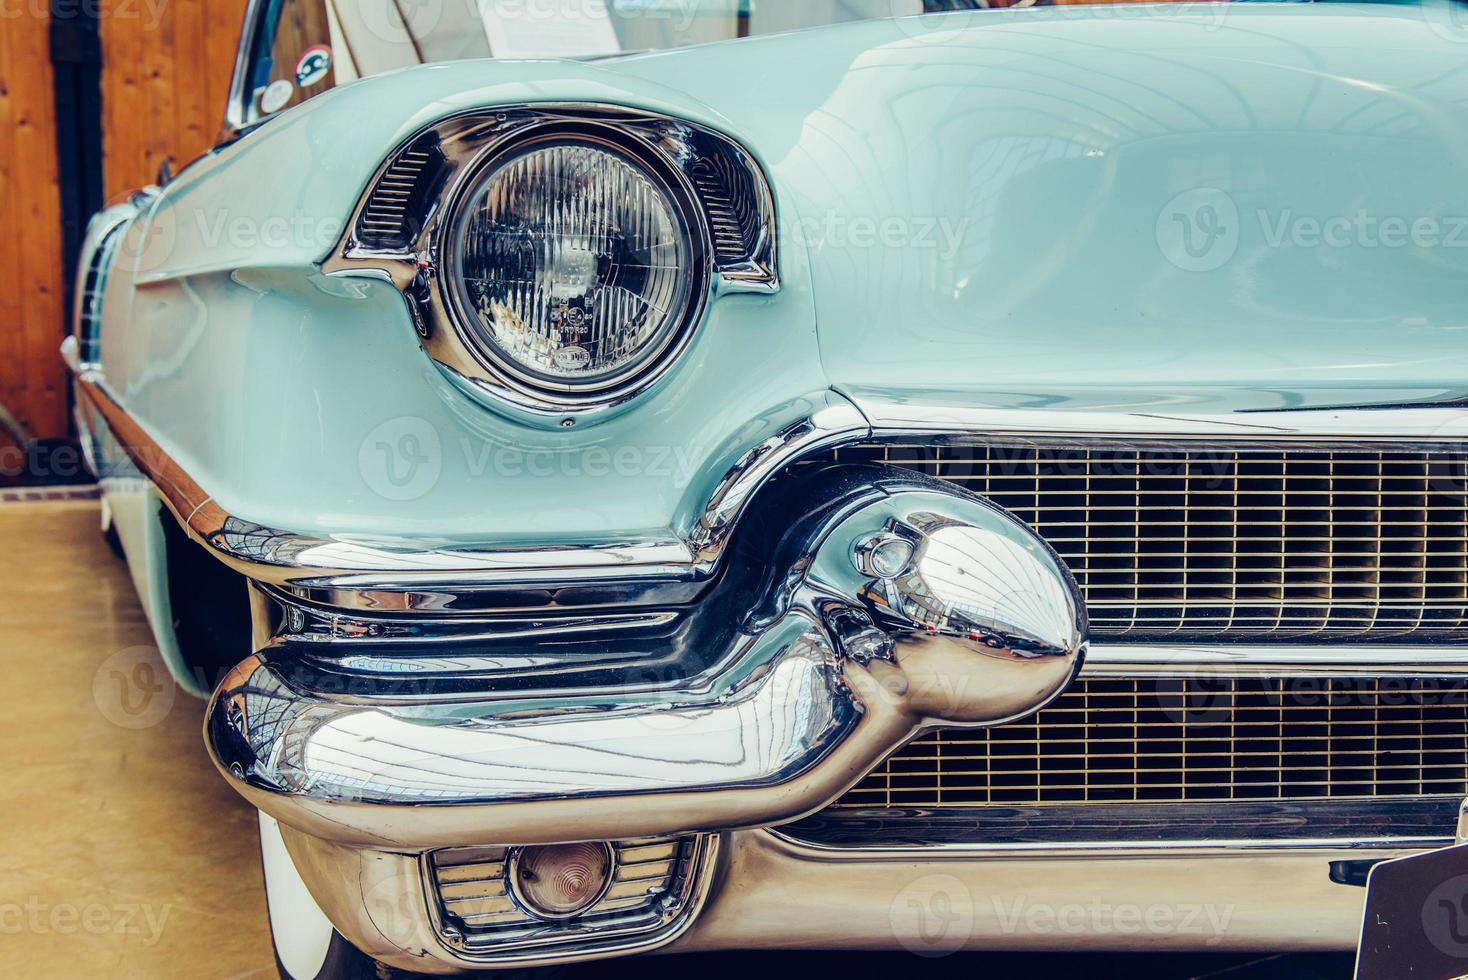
x=404, y=230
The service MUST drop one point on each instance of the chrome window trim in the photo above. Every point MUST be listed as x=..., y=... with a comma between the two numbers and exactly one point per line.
x=471, y=140
x=236, y=108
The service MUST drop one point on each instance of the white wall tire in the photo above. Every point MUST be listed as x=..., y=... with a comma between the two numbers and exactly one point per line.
x=306, y=945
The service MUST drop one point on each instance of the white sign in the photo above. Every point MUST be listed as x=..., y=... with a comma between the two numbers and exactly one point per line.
x=548, y=28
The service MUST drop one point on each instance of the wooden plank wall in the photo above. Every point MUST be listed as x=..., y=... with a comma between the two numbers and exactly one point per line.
x=32, y=379
x=165, y=75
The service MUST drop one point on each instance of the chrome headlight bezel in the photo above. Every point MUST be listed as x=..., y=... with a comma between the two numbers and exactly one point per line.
x=403, y=229
x=669, y=340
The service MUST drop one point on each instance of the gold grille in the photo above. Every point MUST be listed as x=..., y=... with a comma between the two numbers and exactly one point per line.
x=1182, y=544
x=1171, y=740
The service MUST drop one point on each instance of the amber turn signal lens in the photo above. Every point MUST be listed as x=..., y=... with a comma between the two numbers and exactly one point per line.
x=557, y=881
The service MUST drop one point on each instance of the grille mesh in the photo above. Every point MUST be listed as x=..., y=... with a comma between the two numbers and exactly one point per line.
x=1278, y=544
x=1172, y=740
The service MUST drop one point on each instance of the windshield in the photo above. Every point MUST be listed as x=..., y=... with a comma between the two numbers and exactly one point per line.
x=303, y=47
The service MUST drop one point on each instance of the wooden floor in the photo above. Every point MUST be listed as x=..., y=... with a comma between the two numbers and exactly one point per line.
x=124, y=854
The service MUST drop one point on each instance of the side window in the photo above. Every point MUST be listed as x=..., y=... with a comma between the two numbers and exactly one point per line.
x=301, y=60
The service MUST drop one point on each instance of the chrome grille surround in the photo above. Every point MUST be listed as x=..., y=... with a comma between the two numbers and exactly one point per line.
x=1176, y=740
x=1257, y=542
x=657, y=886
x=1251, y=545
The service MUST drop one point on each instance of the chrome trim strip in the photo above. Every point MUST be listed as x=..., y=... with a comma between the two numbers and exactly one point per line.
x=1400, y=821
x=894, y=415
x=826, y=426
x=413, y=574
x=1274, y=660
x=1120, y=849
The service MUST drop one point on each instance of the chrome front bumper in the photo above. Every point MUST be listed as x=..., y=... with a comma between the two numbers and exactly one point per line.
x=377, y=745
x=768, y=891
x=892, y=605
x=832, y=666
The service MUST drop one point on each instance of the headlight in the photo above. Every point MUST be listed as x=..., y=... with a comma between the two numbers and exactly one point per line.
x=573, y=267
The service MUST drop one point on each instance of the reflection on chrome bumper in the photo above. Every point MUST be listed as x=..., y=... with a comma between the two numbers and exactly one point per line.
x=773, y=892
x=968, y=620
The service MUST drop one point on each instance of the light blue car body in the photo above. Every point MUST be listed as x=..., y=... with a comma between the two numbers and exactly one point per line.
x=1209, y=209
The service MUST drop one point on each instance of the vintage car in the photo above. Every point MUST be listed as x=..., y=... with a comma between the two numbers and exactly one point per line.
x=698, y=475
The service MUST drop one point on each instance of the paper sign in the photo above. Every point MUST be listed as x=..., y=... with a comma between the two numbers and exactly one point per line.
x=548, y=28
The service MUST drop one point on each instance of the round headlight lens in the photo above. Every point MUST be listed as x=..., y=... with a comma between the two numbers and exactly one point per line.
x=573, y=265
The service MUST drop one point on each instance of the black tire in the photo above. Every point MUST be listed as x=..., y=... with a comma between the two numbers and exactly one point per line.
x=114, y=543
x=343, y=962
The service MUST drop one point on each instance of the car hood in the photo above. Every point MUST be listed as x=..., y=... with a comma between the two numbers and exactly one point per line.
x=1263, y=206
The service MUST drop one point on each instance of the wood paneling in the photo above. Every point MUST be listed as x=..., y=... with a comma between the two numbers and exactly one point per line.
x=165, y=76
x=32, y=378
